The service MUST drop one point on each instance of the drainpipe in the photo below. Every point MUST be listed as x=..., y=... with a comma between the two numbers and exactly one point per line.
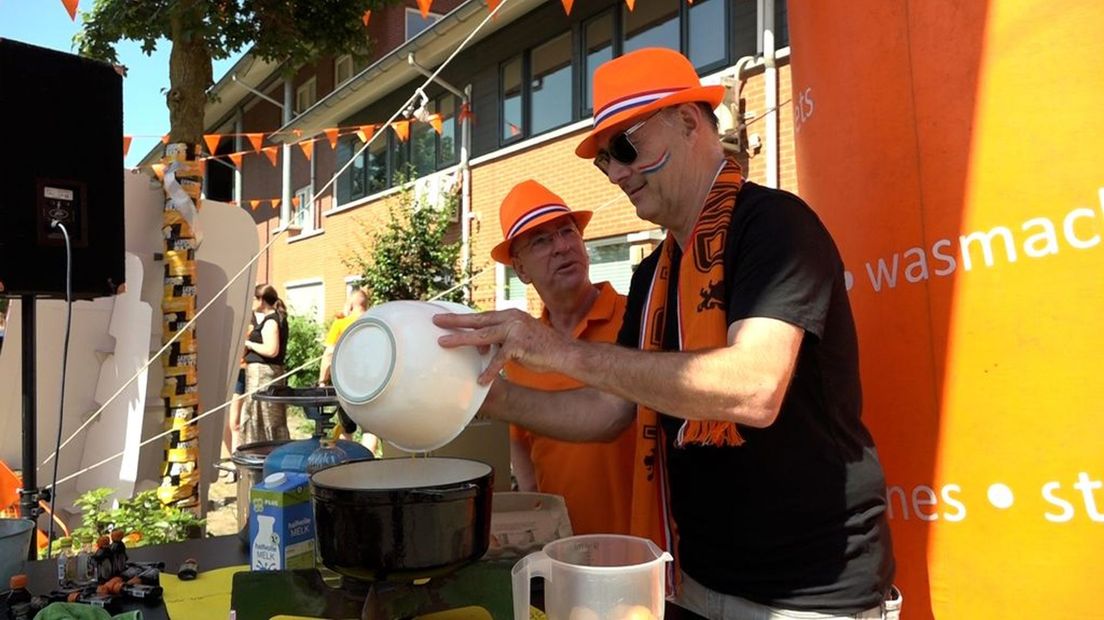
x=238, y=124
x=770, y=86
x=466, y=215
x=285, y=193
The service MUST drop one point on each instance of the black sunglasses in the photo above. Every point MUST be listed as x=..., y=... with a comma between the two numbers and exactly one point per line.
x=620, y=147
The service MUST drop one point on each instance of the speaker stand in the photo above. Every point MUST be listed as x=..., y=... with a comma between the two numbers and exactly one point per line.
x=30, y=494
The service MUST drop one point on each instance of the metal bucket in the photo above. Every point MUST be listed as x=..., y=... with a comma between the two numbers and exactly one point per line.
x=15, y=544
x=249, y=460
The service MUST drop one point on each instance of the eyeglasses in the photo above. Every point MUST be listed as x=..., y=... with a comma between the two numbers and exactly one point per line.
x=542, y=243
x=621, y=147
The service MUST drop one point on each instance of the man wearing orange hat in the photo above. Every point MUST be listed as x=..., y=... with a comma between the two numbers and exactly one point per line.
x=542, y=240
x=738, y=366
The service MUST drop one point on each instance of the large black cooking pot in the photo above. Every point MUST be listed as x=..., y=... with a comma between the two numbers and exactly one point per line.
x=403, y=518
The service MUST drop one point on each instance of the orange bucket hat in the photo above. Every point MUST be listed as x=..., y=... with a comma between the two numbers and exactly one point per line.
x=530, y=204
x=631, y=86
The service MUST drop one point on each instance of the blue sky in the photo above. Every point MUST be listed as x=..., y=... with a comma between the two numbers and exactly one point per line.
x=46, y=23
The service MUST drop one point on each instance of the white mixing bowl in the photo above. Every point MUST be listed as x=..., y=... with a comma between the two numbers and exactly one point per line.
x=395, y=381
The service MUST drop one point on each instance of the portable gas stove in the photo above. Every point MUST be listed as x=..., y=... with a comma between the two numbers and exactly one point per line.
x=481, y=590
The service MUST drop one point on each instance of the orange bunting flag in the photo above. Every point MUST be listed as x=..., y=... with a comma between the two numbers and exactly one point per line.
x=271, y=153
x=492, y=5
x=165, y=139
x=237, y=159
x=308, y=148
x=158, y=170
x=567, y=4
x=366, y=132
x=295, y=201
x=331, y=135
x=402, y=130
x=212, y=140
x=253, y=204
x=71, y=6
x=423, y=6
x=126, y=145
x=466, y=113
x=437, y=122
x=256, y=139
x=275, y=203
x=631, y=4
x=367, y=16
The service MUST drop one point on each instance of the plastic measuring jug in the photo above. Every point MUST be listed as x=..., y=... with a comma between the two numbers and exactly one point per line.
x=595, y=577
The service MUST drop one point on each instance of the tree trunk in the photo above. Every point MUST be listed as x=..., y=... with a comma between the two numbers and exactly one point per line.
x=189, y=76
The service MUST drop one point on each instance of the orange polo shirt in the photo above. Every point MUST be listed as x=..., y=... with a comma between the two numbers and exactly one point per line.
x=595, y=479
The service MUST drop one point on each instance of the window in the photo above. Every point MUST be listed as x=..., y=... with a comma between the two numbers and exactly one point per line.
x=448, y=152
x=305, y=96
x=303, y=215
x=368, y=172
x=707, y=33
x=307, y=298
x=610, y=262
x=415, y=23
x=512, y=123
x=514, y=291
x=598, y=48
x=343, y=70
x=651, y=24
x=550, y=85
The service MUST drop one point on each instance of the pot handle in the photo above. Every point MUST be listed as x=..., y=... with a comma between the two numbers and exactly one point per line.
x=536, y=564
x=439, y=493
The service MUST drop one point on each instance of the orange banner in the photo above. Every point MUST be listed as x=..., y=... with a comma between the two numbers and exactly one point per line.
x=424, y=6
x=237, y=159
x=308, y=148
x=71, y=8
x=402, y=129
x=331, y=135
x=255, y=140
x=271, y=152
x=366, y=132
x=212, y=141
x=958, y=175
x=126, y=145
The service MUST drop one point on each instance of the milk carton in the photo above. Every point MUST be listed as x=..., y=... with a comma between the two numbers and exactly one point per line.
x=281, y=523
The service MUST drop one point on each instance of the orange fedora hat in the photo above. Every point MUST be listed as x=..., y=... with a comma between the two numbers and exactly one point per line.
x=631, y=86
x=530, y=204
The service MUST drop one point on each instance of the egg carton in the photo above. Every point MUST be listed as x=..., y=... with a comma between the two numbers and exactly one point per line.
x=525, y=522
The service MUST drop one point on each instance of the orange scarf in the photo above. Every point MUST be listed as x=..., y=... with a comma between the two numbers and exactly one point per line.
x=703, y=324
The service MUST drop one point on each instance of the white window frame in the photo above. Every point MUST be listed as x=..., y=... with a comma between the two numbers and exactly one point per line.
x=340, y=60
x=501, y=303
x=434, y=17
x=306, y=95
x=306, y=204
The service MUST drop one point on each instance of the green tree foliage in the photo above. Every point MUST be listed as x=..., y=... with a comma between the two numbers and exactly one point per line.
x=304, y=343
x=411, y=258
x=143, y=519
x=295, y=31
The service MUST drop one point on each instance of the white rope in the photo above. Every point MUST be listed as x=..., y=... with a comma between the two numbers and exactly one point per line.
x=416, y=95
x=192, y=421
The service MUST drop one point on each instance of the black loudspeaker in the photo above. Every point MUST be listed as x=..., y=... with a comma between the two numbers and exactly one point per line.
x=63, y=160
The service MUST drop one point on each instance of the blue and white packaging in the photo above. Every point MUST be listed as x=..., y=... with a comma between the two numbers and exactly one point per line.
x=281, y=523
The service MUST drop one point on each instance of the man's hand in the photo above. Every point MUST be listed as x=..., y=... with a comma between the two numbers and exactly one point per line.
x=520, y=337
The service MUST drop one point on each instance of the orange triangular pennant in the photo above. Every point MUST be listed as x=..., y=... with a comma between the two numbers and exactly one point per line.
x=402, y=130
x=295, y=201
x=253, y=204
x=271, y=153
x=567, y=4
x=631, y=4
x=158, y=170
x=466, y=113
x=237, y=159
x=308, y=148
x=212, y=140
x=71, y=6
x=275, y=203
x=423, y=6
x=492, y=5
x=331, y=135
x=126, y=145
x=256, y=139
x=366, y=132
x=367, y=16
x=437, y=122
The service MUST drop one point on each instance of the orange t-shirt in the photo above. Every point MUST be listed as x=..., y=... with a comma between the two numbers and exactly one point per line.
x=595, y=479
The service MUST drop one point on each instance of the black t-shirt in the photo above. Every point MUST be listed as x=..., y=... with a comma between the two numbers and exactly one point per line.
x=252, y=357
x=794, y=517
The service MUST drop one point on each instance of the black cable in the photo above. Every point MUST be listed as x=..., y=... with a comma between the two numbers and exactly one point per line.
x=64, y=368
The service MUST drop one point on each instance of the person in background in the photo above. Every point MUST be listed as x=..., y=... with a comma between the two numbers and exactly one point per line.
x=543, y=242
x=355, y=305
x=264, y=356
x=738, y=364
